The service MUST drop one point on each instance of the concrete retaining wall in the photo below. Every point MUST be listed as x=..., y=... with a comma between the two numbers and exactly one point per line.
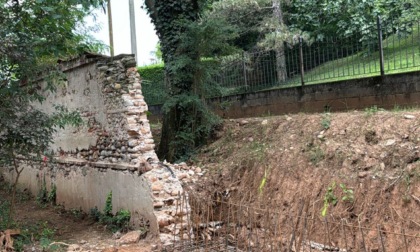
x=394, y=90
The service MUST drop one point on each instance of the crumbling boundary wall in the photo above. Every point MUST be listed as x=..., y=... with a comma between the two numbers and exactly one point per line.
x=109, y=151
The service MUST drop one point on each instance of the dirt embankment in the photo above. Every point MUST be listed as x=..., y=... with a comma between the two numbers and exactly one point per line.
x=357, y=168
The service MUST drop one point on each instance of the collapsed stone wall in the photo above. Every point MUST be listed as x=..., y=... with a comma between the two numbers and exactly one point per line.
x=107, y=92
x=110, y=150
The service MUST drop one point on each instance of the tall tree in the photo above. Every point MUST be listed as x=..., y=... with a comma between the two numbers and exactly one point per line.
x=170, y=18
x=249, y=16
x=261, y=25
x=280, y=57
x=185, y=40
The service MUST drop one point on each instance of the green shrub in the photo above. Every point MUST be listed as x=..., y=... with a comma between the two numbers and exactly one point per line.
x=153, y=83
x=329, y=198
x=156, y=92
x=119, y=221
x=95, y=213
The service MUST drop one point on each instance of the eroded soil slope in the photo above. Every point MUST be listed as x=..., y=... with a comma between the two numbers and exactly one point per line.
x=360, y=168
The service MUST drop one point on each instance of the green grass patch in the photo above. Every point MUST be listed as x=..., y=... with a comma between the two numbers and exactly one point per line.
x=401, y=54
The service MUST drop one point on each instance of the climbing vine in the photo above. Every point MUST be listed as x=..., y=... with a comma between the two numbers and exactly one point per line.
x=185, y=40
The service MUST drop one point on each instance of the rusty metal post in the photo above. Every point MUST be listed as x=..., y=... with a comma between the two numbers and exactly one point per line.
x=381, y=239
x=363, y=238
x=405, y=239
x=344, y=233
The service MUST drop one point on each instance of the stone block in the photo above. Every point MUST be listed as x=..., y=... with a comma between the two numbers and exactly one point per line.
x=130, y=238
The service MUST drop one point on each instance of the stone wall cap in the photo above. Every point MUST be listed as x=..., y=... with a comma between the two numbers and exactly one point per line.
x=88, y=58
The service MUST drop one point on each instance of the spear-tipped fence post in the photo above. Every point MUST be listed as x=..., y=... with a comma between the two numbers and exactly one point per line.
x=381, y=48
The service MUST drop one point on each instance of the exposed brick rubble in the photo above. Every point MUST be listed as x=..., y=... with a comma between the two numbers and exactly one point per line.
x=169, y=201
x=126, y=138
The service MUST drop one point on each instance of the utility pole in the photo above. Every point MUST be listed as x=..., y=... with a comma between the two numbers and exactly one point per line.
x=111, y=33
x=133, y=30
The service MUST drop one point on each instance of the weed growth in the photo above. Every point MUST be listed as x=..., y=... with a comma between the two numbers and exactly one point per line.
x=331, y=199
x=348, y=194
x=316, y=155
x=46, y=238
x=41, y=231
x=117, y=222
x=77, y=213
x=44, y=196
x=372, y=110
x=4, y=215
x=326, y=121
x=258, y=150
x=398, y=108
x=263, y=182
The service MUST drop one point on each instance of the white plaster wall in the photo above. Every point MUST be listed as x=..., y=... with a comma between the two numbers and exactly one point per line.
x=81, y=92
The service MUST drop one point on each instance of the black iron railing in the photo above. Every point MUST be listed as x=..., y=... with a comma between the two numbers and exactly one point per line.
x=385, y=49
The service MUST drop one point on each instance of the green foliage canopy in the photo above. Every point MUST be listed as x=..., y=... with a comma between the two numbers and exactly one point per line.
x=249, y=17
x=347, y=18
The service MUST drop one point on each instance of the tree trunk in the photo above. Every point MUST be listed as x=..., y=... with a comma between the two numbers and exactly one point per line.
x=168, y=136
x=178, y=123
x=280, y=56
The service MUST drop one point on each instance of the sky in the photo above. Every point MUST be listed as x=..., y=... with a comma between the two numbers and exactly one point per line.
x=146, y=36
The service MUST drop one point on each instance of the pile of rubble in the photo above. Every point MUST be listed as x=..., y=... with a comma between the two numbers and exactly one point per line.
x=170, y=202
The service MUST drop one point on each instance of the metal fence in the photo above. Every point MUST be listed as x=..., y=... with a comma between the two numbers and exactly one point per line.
x=225, y=226
x=385, y=49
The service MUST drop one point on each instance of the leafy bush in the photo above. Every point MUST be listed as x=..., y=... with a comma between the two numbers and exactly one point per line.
x=119, y=221
x=348, y=193
x=331, y=199
x=156, y=92
x=153, y=83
